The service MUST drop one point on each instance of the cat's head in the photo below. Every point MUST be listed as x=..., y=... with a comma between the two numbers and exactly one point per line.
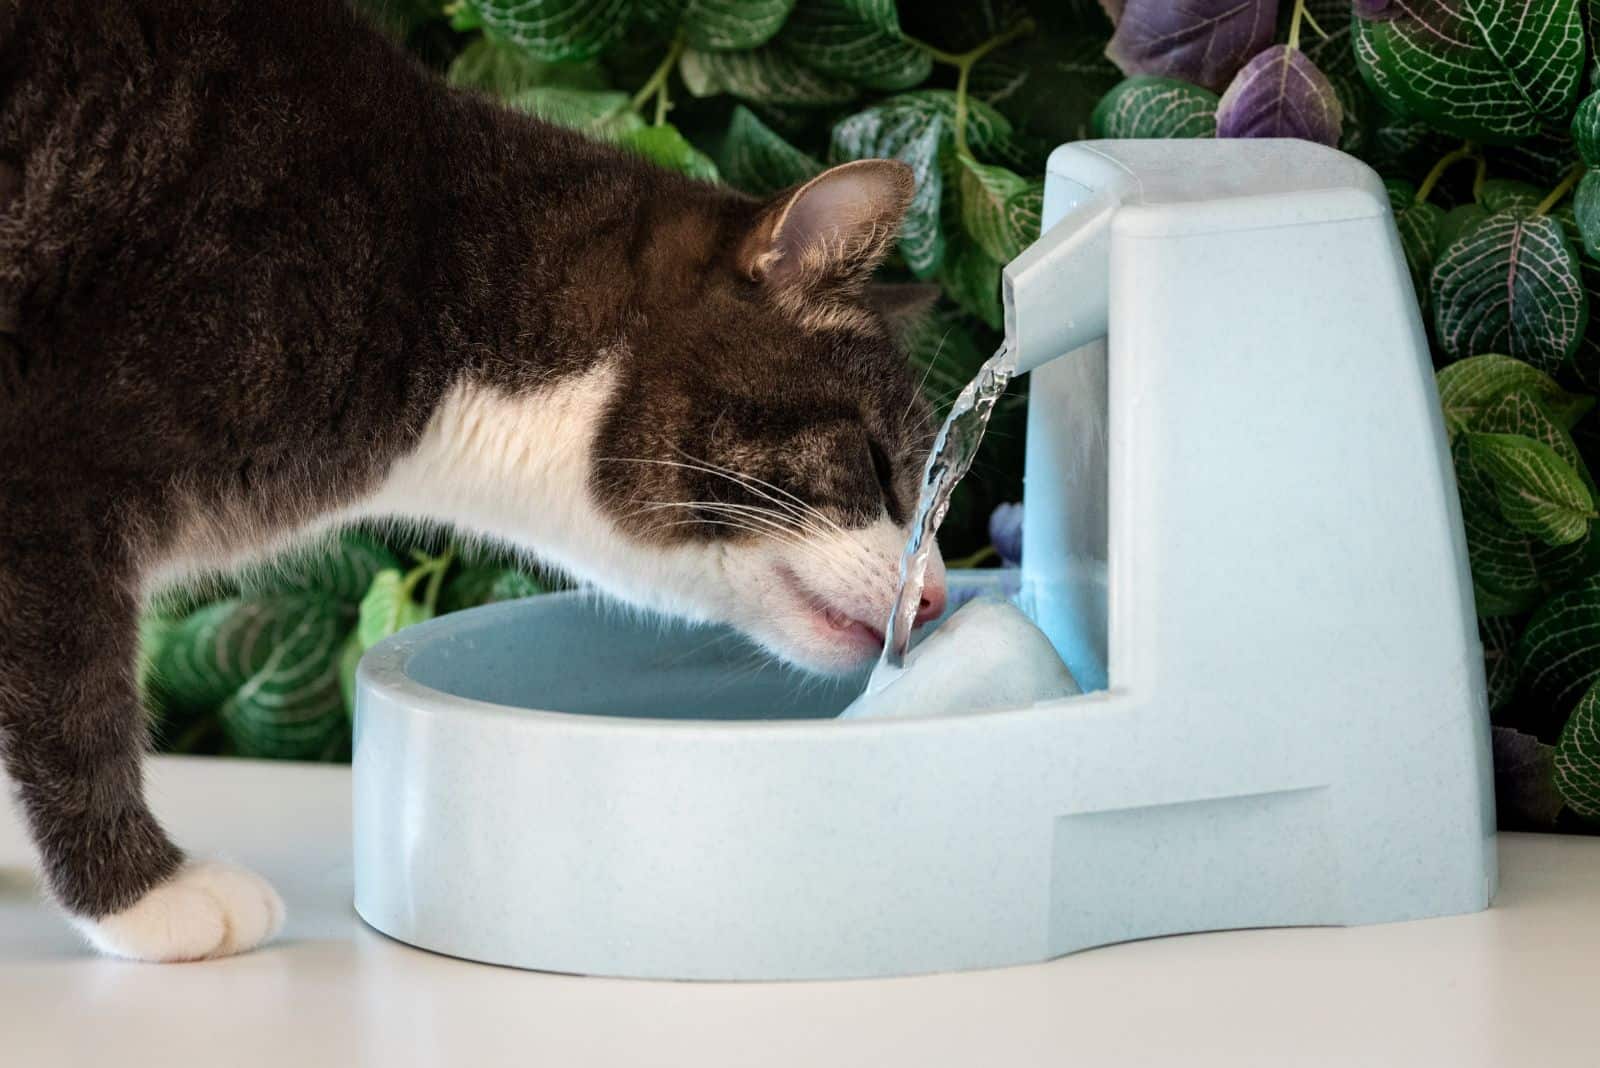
x=748, y=445
x=768, y=430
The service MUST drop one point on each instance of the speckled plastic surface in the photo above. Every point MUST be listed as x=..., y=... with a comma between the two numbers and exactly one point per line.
x=1264, y=560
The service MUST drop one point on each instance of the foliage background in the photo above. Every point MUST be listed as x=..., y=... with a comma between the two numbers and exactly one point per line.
x=1477, y=112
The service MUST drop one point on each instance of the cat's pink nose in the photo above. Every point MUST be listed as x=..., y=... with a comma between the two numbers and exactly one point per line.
x=933, y=601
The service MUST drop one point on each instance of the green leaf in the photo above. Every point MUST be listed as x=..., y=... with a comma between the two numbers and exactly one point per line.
x=1577, y=757
x=1418, y=225
x=1499, y=637
x=387, y=609
x=1520, y=412
x=1543, y=159
x=666, y=146
x=1510, y=285
x=1559, y=655
x=1509, y=194
x=484, y=585
x=902, y=118
x=916, y=128
x=1457, y=222
x=971, y=277
x=985, y=191
x=341, y=571
x=555, y=30
x=1469, y=388
x=879, y=14
x=291, y=706
x=1023, y=152
x=858, y=41
x=1538, y=492
x=719, y=25
x=763, y=75
x=758, y=161
x=1025, y=212
x=1584, y=367
x=212, y=653
x=605, y=115
x=1150, y=106
x=502, y=70
x=795, y=124
x=1586, y=129
x=922, y=240
x=349, y=661
x=1047, y=83
x=1491, y=70
x=1586, y=212
x=1511, y=571
x=1591, y=34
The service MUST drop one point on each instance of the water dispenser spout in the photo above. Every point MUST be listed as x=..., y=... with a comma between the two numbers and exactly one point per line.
x=1057, y=291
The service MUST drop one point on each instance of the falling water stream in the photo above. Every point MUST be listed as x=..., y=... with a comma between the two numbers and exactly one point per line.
x=953, y=451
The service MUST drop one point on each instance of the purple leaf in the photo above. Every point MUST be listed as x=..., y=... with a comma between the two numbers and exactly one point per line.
x=1375, y=9
x=1280, y=93
x=1524, y=781
x=1200, y=41
x=1113, y=9
x=1005, y=532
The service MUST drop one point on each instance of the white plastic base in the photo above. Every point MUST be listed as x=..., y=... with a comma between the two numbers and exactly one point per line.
x=1289, y=723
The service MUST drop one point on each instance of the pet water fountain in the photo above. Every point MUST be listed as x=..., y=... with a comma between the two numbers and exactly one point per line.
x=1242, y=536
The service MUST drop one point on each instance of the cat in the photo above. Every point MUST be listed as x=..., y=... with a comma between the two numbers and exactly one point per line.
x=262, y=274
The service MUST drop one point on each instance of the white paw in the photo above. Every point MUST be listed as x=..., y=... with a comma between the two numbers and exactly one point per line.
x=209, y=909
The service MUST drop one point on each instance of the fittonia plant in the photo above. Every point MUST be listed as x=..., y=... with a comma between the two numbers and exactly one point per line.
x=1480, y=114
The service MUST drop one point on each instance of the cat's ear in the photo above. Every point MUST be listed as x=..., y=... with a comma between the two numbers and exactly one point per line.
x=903, y=305
x=833, y=231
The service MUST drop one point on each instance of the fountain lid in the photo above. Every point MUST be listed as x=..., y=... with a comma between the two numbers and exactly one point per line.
x=1149, y=173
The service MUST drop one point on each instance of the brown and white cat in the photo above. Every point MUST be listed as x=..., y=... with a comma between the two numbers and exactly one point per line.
x=261, y=274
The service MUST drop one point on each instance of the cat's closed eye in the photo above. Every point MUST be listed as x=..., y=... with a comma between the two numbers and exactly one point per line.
x=884, y=470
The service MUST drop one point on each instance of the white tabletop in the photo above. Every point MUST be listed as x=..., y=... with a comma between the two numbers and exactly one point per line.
x=1517, y=985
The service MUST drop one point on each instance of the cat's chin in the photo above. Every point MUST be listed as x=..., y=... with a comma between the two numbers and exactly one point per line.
x=825, y=653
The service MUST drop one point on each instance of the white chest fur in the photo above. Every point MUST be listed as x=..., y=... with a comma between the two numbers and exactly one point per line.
x=516, y=469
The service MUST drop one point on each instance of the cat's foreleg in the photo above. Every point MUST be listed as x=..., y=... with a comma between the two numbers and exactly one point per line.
x=73, y=736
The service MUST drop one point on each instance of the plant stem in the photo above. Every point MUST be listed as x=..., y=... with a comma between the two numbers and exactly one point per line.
x=1302, y=12
x=432, y=569
x=964, y=62
x=663, y=103
x=1294, y=24
x=657, y=83
x=1559, y=193
x=961, y=110
x=1468, y=150
x=975, y=559
x=1479, y=176
x=430, y=600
